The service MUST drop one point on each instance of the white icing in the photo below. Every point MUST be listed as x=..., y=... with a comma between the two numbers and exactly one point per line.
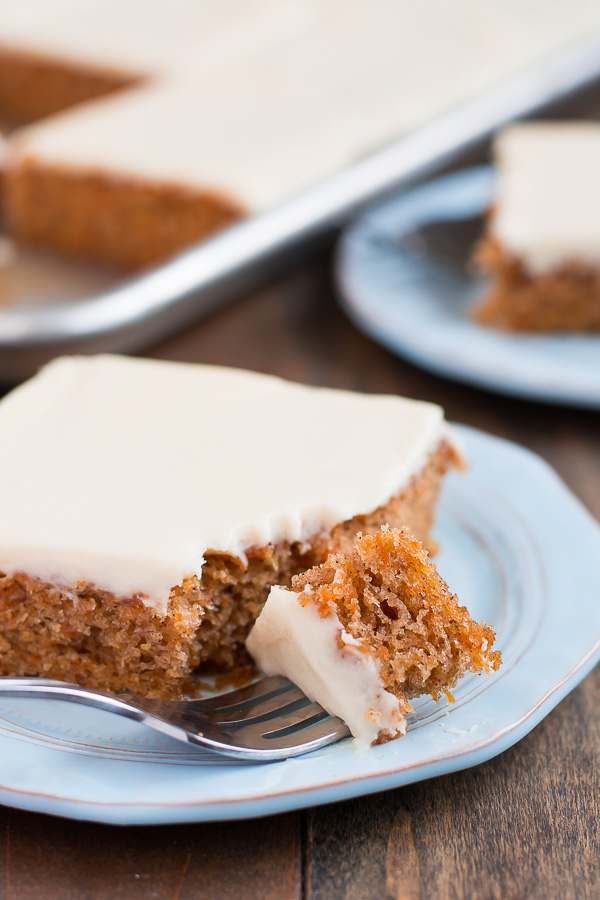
x=260, y=100
x=124, y=472
x=141, y=38
x=547, y=210
x=295, y=640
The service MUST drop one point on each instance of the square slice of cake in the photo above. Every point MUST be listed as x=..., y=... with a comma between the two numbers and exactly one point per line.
x=147, y=507
x=367, y=630
x=542, y=249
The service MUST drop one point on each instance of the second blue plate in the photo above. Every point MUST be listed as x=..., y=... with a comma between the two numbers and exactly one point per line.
x=404, y=278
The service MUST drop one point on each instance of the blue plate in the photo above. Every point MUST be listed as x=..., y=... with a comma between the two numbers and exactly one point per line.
x=404, y=278
x=503, y=525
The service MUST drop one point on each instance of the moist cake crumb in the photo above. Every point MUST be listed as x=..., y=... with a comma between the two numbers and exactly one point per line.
x=368, y=630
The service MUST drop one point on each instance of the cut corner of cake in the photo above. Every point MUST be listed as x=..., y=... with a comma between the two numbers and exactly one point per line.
x=367, y=630
x=147, y=508
x=541, y=249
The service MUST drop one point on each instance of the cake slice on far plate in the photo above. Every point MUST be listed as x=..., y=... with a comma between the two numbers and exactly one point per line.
x=369, y=629
x=542, y=247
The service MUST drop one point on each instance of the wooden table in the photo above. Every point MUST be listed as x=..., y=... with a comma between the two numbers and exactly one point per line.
x=524, y=825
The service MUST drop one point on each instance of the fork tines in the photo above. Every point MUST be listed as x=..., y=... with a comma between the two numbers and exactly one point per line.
x=273, y=714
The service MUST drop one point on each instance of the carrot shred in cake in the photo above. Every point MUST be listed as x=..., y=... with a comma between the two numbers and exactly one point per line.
x=391, y=599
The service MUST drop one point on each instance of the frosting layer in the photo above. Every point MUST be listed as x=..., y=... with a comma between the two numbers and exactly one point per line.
x=547, y=209
x=316, y=653
x=124, y=472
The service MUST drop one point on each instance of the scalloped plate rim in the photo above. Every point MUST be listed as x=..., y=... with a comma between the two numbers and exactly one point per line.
x=51, y=785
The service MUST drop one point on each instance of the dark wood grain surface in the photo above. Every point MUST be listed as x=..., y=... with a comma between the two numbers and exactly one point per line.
x=524, y=825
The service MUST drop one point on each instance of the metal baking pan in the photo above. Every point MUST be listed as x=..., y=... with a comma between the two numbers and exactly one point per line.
x=151, y=306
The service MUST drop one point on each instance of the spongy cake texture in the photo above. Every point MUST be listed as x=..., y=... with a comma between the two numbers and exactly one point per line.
x=391, y=599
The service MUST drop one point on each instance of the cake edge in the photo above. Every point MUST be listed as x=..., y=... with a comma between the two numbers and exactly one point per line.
x=566, y=298
x=116, y=219
x=207, y=620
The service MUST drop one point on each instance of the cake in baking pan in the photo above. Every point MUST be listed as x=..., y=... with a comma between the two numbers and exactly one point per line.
x=152, y=125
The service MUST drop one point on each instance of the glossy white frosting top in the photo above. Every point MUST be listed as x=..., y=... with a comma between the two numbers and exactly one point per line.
x=547, y=209
x=316, y=653
x=141, y=38
x=124, y=472
x=260, y=99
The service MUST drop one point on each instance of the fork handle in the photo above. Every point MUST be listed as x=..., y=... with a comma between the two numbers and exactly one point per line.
x=137, y=708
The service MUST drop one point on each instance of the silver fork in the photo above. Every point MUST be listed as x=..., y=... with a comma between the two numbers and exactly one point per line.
x=268, y=720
